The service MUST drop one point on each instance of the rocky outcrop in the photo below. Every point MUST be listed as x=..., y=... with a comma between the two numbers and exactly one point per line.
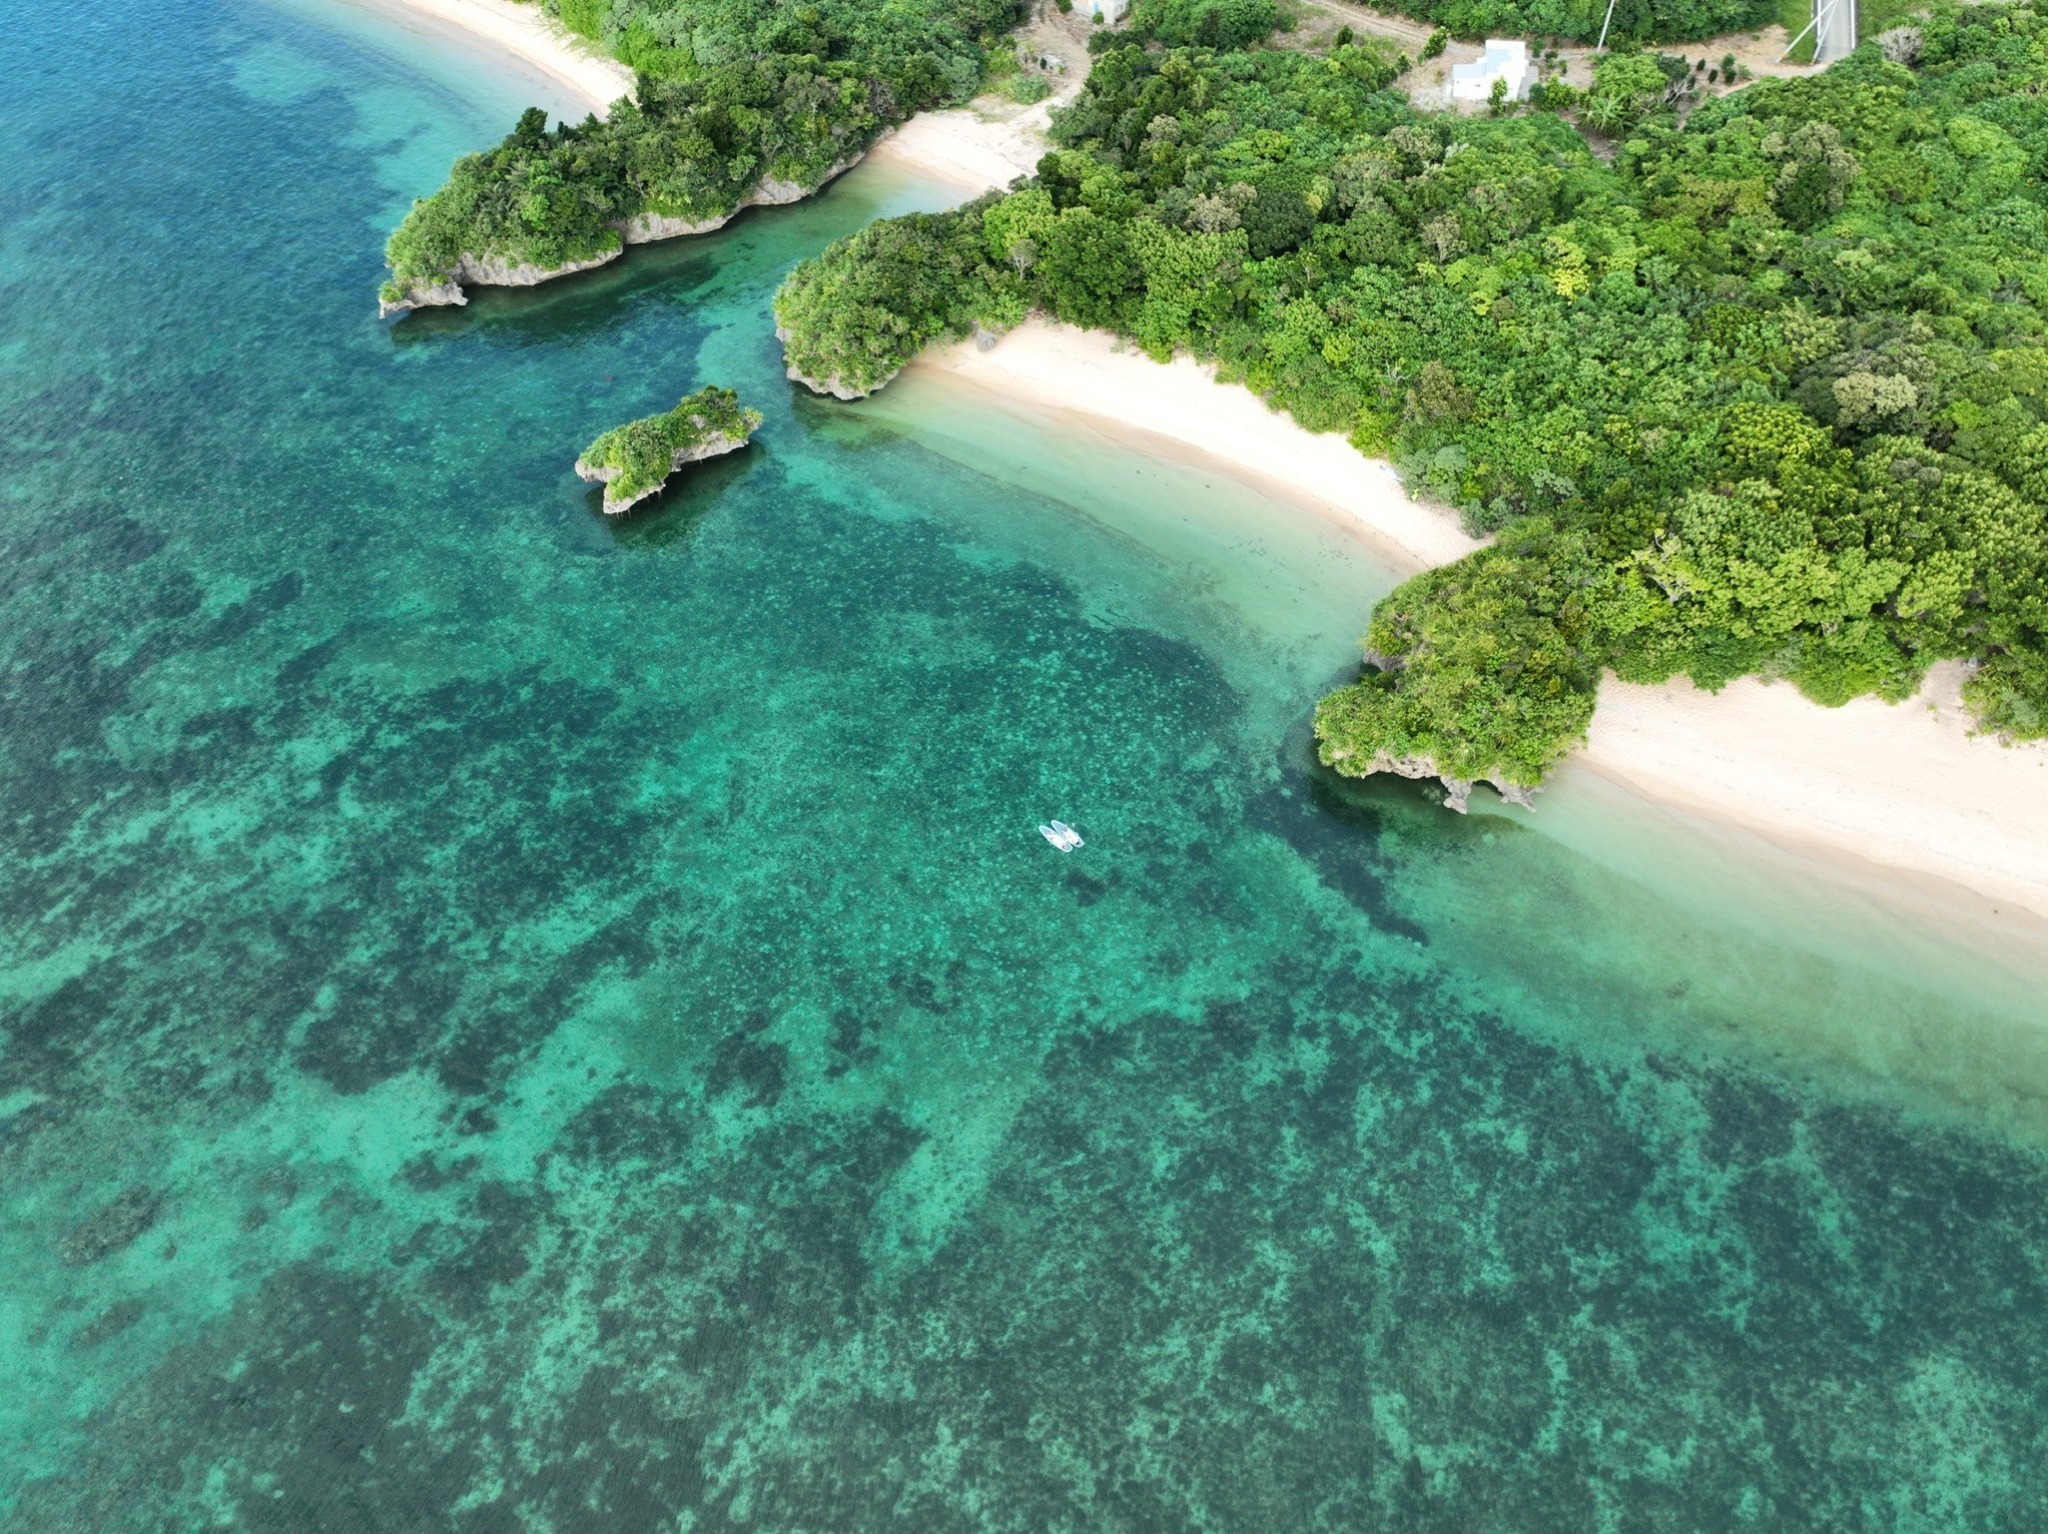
x=497, y=272
x=430, y=295
x=773, y=193
x=983, y=338
x=647, y=228
x=832, y=385
x=488, y=272
x=1457, y=791
x=710, y=447
x=640, y=229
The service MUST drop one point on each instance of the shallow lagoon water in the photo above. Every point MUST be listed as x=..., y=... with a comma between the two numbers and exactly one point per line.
x=515, y=1020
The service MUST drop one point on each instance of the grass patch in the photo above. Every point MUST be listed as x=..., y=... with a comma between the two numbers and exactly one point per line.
x=1793, y=16
x=1875, y=16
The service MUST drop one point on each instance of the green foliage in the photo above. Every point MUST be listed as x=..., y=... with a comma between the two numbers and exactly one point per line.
x=1434, y=45
x=1203, y=23
x=1875, y=16
x=1493, y=665
x=644, y=452
x=731, y=93
x=1627, y=87
x=1579, y=20
x=1765, y=393
x=851, y=317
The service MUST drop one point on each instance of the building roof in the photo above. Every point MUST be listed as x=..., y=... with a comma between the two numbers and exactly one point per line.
x=1504, y=59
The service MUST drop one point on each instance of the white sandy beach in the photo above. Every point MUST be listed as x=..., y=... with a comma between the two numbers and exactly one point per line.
x=1903, y=787
x=965, y=149
x=531, y=34
x=1092, y=373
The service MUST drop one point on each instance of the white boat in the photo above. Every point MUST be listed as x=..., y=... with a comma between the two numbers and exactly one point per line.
x=1062, y=836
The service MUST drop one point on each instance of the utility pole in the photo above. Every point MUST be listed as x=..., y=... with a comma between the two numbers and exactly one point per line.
x=1821, y=13
x=1604, y=26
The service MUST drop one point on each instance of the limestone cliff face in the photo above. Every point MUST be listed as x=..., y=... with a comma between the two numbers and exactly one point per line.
x=710, y=447
x=772, y=193
x=640, y=229
x=497, y=272
x=485, y=271
x=1457, y=791
x=646, y=228
x=422, y=296
x=831, y=386
x=984, y=339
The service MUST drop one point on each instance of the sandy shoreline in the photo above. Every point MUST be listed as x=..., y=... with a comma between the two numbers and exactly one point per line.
x=964, y=149
x=1901, y=787
x=959, y=146
x=529, y=33
x=1094, y=375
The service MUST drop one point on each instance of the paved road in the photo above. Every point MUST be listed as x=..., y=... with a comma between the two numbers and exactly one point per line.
x=1837, y=39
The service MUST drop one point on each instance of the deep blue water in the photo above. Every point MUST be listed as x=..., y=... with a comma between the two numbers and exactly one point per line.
x=518, y=1021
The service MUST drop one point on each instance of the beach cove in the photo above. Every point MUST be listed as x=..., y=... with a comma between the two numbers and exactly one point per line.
x=515, y=1017
x=1904, y=786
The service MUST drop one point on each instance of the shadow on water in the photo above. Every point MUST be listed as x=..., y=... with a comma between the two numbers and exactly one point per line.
x=579, y=303
x=841, y=423
x=671, y=517
x=1340, y=827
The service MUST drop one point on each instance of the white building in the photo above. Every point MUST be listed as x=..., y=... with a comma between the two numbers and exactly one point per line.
x=1111, y=11
x=1503, y=60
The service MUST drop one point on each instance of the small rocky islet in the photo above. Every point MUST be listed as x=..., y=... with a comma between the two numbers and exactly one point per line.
x=635, y=460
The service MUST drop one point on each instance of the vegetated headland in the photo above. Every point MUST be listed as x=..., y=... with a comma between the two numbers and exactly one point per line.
x=1744, y=385
x=733, y=106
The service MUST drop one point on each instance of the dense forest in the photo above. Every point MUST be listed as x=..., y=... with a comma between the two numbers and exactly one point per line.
x=1764, y=392
x=1580, y=20
x=732, y=94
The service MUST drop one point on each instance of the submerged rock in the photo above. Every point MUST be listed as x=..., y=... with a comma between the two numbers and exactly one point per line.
x=116, y=1226
x=633, y=461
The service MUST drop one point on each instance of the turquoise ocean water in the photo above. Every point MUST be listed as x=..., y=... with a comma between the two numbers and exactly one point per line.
x=514, y=1021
